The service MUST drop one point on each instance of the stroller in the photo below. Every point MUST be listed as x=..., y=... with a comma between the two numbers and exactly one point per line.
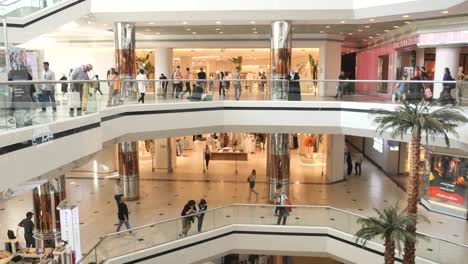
x=199, y=95
x=446, y=96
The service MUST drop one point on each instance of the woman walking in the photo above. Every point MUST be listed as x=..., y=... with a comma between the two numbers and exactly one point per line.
x=141, y=85
x=251, y=181
x=207, y=153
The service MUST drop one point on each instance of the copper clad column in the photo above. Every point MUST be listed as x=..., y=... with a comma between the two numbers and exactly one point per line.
x=129, y=170
x=46, y=198
x=281, y=46
x=124, y=34
x=278, y=144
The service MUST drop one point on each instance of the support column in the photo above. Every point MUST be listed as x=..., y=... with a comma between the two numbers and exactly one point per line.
x=129, y=169
x=335, y=158
x=163, y=62
x=278, y=144
x=165, y=154
x=329, y=67
x=46, y=198
x=445, y=57
x=124, y=34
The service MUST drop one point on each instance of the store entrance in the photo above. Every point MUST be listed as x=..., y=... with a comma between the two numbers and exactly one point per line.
x=383, y=73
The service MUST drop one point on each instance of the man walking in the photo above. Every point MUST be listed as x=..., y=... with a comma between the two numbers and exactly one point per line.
x=28, y=226
x=237, y=84
x=48, y=89
x=357, y=163
x=123, y=215
x=79, y=74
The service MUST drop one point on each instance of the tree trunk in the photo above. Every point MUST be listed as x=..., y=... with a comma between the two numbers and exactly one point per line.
x=389, y=251
x=414, y=182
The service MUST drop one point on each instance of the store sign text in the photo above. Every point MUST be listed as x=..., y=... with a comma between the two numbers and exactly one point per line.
x=411, y=41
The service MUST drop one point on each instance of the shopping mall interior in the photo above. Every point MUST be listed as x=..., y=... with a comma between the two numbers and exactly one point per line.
x=234, y=132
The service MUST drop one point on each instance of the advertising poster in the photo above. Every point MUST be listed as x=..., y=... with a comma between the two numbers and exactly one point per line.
x=447, y=177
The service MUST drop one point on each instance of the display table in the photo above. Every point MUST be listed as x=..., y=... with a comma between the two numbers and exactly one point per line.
x=230, y=154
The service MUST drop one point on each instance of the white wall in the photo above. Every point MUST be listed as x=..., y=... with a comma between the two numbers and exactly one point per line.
x=62, y=59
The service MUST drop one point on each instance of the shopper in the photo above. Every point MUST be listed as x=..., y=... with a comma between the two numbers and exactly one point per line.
x=141, y=85
x=222, y=92
x=357, y=163
x=163, y=84
x=177, y=84
x=294, y=92
x=349, y=163
x=251, y=180
x=263, y=82
x=277, y=198
x=401, y=90
x=202, y=207
x=187, y=84
x=118, y=191
x=97, y=85
x=123, y=215
x=79, y=74
x=446, y=94
x=28, y=226
x=48, y=89
x=110, y=85
x=64, y=86
x=207, y=153
x=237, y=84
x=117, y=92
x=187, y=217
x=282, y=210
x=340, y=86
x=227, y=81
x=202, y=79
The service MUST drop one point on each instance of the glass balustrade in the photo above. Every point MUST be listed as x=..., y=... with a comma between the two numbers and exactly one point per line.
x=118, y=244
x=22, y=8
x=22, y=103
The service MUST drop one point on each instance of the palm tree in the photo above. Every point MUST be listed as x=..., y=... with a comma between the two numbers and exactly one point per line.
x=390, y=225
x=414, y=119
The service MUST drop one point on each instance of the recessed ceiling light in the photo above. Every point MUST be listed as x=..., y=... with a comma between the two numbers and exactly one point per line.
x=218, y=29
x=104, y=25
x=407, y=22
x=255, y=32
x=371, y=20
x=188, y=29
x=194, y=33
x=327, y=26
x=364, y=39
x=360, y=30
x=151, y=23
x=445, y=12
x=367, y=26
x=157, y=33
x=147, y=30
x=221, y=32
x=377, y=34
x=341, y=33
x=322, y=31
x=405, y=16
x=254, y=28
x=185, y=22
x=90, y=22
x=371, y=37
x=218, y=22
x=386, y=30
x=350, y=34
x=252, y=22
x=342, y=21
x=396, y=26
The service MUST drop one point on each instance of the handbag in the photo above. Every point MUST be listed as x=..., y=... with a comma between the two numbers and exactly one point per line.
x=289, y=208
x=74, y=99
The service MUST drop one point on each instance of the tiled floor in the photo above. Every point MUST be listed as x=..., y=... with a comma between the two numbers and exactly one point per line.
x=163, y=195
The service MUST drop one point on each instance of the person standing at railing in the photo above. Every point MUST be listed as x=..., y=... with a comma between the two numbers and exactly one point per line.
x=189, y=209
x=110, y=86
x=261, y=87
x=237, y=83
x=401, y=90
x=202, y=79
x=48, y=89
x=64, y=86
x=282, y=211
x=163, y=84
x=446, y=94
x=202, y=207
x=177, y=84
x=294, y=92
x=116, y=95
x=79, y=74
x=123, y=215
x=187, y=84
x=222, y=92
x=341, y=85
x=141, y=77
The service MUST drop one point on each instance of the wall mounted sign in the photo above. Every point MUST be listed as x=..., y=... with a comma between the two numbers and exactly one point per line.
x=406, y=42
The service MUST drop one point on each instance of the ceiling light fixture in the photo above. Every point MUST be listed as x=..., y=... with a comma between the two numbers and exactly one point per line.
x=371, y=37
x=386, y=30
x=255, y=32
x=151, y=23
x=157, y=33
x=188, y=29
x=105, y=25
x=350, y=34
x=377, y=34
x=254, y=28
x=218, y=29
x=221, y=32
x=371, y=20
x=90, y=22
x=396, y=26
x=322, y=31
x=194, y=33
x=407, y=22
x=342, y=21
x=185, y=22
x=147, y=30
x=252, y=22
x=327, y=26
x=364, y=39
x=367, y=26
x=360, y=30
x=445, y=12
x=218, y=22
x=405, y=16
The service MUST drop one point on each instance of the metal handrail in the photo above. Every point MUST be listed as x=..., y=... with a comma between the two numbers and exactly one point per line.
x=253, y=205
x=29, y=82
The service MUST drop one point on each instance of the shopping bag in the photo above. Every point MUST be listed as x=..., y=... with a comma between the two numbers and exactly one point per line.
x=74, y=100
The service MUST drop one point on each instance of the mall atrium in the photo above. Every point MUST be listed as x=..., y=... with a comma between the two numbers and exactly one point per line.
x=229, y=132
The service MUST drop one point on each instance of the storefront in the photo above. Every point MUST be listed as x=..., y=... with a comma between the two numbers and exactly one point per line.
x=445, y=180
